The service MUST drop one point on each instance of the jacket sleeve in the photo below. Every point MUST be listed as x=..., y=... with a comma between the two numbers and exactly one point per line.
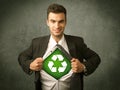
x=92, y=59
x=25, y=58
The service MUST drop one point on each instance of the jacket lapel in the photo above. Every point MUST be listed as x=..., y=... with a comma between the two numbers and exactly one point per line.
x=75, y=80
x=44, y=45
x=71, y=46
x=42, y=49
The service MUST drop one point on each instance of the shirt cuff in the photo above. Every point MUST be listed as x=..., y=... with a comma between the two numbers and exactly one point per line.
x=85, y=70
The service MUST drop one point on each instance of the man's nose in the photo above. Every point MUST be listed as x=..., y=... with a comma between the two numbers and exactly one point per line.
x=57, y=25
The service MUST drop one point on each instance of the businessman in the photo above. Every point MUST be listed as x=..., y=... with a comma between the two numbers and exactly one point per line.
x=84, y=60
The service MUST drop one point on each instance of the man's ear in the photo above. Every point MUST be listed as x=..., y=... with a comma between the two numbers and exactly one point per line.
x=47, y=22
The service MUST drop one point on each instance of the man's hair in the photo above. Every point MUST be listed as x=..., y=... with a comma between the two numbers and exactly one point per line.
x=56, y=8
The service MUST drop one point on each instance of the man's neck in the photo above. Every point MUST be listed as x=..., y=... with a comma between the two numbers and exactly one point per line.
x=57, y=38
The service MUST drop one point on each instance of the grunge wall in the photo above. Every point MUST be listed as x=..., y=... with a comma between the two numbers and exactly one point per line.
x=97, y=21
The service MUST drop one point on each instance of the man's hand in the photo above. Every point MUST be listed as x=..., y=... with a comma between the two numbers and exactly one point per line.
x=77, y=66
x=36, y=65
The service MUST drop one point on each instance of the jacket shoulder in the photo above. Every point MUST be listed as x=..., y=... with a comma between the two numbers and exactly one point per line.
x=73, y=38
x=42, y=38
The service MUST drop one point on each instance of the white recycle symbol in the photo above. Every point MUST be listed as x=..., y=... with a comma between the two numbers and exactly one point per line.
x=51, y=64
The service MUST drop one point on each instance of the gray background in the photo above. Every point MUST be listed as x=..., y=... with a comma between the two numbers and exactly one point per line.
x=97, y=21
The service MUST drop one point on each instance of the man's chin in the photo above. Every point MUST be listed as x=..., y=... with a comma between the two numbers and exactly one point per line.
x=58, y=35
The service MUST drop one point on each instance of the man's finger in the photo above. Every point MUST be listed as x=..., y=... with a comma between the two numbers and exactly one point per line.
x=73, y=60
x=39, y=60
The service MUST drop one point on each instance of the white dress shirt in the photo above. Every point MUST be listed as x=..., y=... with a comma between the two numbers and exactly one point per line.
x=49, y=82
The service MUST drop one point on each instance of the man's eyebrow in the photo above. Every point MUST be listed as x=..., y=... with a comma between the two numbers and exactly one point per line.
x=61, y=20
x=56, y=21
x=52, y=20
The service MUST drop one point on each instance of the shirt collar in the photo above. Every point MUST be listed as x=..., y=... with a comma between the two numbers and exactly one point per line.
x=53, y=42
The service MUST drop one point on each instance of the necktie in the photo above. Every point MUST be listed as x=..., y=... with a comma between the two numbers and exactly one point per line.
x=64, y=51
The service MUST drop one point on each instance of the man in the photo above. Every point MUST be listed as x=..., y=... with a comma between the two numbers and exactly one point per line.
x=84, y=60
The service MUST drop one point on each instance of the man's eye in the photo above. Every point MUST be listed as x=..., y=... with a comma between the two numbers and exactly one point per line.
x=53, y=21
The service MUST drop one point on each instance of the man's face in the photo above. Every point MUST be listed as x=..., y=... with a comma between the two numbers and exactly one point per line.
x=56, y=23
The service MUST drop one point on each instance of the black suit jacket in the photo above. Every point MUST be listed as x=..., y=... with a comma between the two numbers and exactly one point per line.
x=77, y=49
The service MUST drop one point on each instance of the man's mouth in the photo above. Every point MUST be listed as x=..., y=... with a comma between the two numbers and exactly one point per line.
x=57, y=30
